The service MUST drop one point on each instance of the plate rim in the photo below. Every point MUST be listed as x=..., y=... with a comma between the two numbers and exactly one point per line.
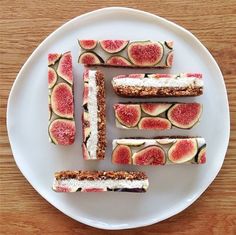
x=174, y=211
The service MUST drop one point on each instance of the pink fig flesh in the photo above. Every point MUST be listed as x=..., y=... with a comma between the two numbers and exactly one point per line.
x=64, y=69
x=85, y=94
x=62, y=131
x=113, y=46
x=128, y=114
x=137, y=75
x=88, y=44
x=201, y=156
x=169, y=59
x=52, y=77
x=121, y=155
x=185, y=115
x=154, y=109
x=154, y=123
x=118, y=61
x=151, y=155
x=145, y=53
x=89, y=190
x=90, y=58
x=53, y=58
x=62, y=100
x=194, y=75
x=86, y=75
x=183, y=150
x=85, y=152
x=169, y=44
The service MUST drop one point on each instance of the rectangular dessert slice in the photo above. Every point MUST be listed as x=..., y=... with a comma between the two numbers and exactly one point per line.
x=125, y=53
x=93, y=117
x=158, y=85
x=100, y=181
x=159, y=151
x=61, y=127
x=157, y=116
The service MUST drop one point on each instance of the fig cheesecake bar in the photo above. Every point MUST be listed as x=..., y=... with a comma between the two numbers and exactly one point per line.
x=157, y=116
x=100, y=181
x=126, y=53
x=159, y=151
x=158, y=85
x=93, y=117
x=61, y=127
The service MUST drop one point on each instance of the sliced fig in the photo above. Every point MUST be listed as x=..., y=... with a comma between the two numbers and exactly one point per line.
x=160, y=75
x=154, y=109
x=201, y=156
x=154, y=123
x=121, y=155
x=62, y=100
x=86, y=126
x=113, y=46
x=193, y=75
x=53, y=58
x=64, y=69
x=86, y=75
x=151, y=155
x=90, y=58
x=128, y=114
x=52, y=77
x=165, y=141
x=183, y=150
x=169, y=44
x=89, y=190
x=85, y=152
x=62, y=131
x=117, y=60
x=137, y=75
x=88, y=44
x=169, y=59
x=134, y=143
x=145, y=53
x=85, y=95
x=185, y=115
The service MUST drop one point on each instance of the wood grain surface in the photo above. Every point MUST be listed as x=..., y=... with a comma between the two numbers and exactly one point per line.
x=24, y=24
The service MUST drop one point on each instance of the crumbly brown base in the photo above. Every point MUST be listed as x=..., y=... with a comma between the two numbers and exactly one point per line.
x=100, y=175
x=156, y=91
x=101, y=115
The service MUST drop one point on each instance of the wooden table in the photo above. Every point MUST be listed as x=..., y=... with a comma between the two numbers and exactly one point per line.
x=24, y=24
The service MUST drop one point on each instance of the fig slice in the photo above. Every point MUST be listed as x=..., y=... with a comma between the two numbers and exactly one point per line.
x=64, y=69
x=90, y=58
x=201, y=156
x=117, y=60
x=136, y=75
x=86, y=126
x=134, y=143
x=62, y=100
x=85, y=95
x=161, y=75
x=154, y=123
x=53, y=58
x=165, y=141
x=183, y=150
x=151, y=155
x=62, y=131
x=128, y=114
x=154, y=109
x=89, y=190
x=121, y=155
x=113, y=46
x=88, y=44
x=52, y=77
x=169, y=59
x=85, y=152
x=169, y=44
x=185, y=115
x=86, y=75
x=145, y=53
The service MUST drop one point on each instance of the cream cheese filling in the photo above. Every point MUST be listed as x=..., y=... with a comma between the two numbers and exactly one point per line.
x=93, y=115
x=73, y=184
x=177, y=81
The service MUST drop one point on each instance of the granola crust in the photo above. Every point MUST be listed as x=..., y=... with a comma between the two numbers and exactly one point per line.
x=100, y=175
x=131, y=91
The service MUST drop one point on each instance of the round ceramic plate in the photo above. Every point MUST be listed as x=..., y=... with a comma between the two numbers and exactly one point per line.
x=173, y=187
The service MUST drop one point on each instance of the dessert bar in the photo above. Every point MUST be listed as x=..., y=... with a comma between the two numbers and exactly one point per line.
x=61, y=103
x=125, y=53
x=157, y=116
x=159, y=151
x=93, y=117
x=100, y=181
x=158, y=85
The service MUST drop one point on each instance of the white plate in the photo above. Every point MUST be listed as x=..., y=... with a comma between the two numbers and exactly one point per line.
x=172, y=188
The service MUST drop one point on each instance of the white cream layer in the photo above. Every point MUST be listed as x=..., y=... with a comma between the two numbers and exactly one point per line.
x=178, y=81
x=93, y=115
x=73, y=184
